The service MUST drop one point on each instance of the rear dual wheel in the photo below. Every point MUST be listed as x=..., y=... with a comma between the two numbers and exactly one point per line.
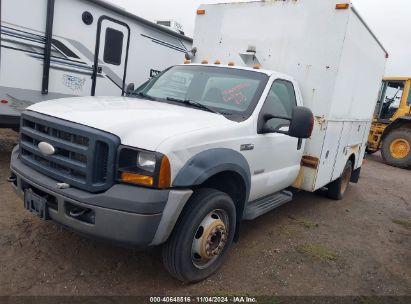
x=337, y=188
x=202, y=236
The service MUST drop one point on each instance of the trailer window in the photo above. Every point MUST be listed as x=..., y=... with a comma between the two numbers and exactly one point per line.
x=280, y=102
x=113, y=47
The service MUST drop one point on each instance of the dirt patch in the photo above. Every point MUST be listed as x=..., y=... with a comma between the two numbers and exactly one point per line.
x=8, y=139
x=364, y=251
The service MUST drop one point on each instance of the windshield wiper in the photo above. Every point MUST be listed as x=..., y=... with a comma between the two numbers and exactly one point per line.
x=144, y=95
x=194, y=104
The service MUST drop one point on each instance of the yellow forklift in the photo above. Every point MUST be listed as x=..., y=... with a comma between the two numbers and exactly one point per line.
x=391, y=126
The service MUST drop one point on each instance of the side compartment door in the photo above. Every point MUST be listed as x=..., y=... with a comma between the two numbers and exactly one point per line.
x=277, y=158
x=111, y=56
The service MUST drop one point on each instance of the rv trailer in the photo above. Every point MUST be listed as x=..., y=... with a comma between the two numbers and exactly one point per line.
x=65, y=48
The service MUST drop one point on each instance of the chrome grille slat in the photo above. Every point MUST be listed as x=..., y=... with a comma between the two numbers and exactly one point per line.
x=54, y=141
x=56, y=159
x=80, y=152
x=35, y=165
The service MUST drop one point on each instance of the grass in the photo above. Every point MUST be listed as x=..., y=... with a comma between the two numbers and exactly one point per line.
x=403, y=222
x=290, y=231
x=318, y=251
x=305, y=223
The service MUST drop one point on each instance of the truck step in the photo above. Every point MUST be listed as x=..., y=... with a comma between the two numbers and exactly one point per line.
x=261, y=206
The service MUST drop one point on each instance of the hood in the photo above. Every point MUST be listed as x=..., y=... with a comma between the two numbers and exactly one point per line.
x=137, y=122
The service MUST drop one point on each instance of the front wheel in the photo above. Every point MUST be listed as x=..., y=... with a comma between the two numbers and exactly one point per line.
x=202, y=236
x=337, y=188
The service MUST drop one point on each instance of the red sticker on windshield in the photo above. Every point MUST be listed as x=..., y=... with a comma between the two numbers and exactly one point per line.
x=235, y=95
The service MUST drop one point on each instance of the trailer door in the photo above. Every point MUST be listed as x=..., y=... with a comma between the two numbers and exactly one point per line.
x=111, y=56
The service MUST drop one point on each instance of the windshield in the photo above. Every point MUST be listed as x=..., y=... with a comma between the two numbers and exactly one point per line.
x=232, y=92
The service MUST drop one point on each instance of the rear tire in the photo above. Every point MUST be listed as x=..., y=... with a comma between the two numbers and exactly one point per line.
x=337, y=188
x=396, y=148
x=202, y=236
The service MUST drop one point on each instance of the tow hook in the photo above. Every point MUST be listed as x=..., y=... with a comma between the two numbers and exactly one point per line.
x=12, y=179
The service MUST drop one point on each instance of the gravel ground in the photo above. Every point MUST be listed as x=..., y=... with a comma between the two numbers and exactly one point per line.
x=310, y=246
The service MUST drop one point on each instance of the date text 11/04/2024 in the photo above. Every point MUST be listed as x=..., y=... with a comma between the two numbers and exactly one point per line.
x=223, y=299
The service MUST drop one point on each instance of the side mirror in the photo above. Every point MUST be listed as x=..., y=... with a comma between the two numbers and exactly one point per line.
x=130, y=88
x=302, y=123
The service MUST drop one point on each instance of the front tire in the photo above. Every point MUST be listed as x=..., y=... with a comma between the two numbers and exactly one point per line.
x=396, y=148
x=202, y=236
x=337, y=188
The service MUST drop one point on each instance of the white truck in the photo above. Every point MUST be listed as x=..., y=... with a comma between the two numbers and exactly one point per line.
x=64, y=48
x=204, y=145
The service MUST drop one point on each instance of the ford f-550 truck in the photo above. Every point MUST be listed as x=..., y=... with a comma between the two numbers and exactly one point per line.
x=276, y=97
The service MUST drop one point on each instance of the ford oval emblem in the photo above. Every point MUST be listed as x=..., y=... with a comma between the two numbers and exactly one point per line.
x=46, y=148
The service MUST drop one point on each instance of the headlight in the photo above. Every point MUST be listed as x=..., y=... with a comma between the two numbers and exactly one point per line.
x=143, y=168
x=147, y=161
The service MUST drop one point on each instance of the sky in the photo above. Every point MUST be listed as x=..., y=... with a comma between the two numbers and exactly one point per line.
x=390, y=20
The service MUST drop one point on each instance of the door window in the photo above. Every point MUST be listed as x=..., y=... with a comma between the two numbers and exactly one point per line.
x=113, y=47
x=280, y=102
x=391, y=98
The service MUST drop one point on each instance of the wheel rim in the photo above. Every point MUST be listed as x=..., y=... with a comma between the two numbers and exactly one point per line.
x=400, y=148
x=345, y=179
x=210, y=239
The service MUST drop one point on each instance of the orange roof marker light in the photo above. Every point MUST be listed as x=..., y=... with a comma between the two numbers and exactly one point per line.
x=257, y=67
x=187, y=61
x=231, y=63
x=217, y=61
x=201, y=12
x=205, y=61
x=342, y=6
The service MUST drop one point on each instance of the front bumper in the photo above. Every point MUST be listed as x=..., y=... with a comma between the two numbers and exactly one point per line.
x=123, y=214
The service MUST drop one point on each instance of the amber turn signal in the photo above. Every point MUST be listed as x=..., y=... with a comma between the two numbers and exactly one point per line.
x=201, y=12
x=137, y=179
x=164, y=176
x=342, y=5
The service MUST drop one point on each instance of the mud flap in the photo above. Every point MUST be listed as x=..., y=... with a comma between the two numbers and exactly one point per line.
x=355, y=176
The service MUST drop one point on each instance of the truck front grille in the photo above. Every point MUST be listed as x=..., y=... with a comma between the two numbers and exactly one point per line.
x=83, y=158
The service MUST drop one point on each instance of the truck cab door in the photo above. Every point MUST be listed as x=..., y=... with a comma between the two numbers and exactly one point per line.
x=277, y=157
x=111, y=56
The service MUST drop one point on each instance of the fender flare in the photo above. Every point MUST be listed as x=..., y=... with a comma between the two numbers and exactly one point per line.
x=211, y=162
